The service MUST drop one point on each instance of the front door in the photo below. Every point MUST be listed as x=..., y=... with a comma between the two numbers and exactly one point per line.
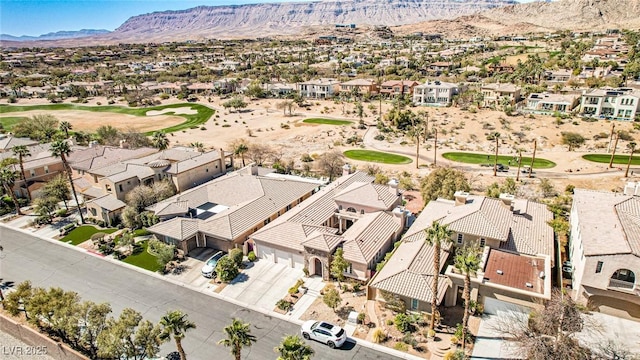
x=317, y=267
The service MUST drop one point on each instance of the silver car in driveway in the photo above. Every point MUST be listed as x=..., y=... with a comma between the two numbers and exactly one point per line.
x=209, y=268
x=324, y=332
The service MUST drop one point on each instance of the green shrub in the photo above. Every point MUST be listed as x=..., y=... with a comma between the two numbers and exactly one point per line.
x=401, y=346
x=283, y=304
x=409, y=340
x=379, y=137
x=251, y=256
x=227, y=269
x=389, y=322
x=403, y=323
x=236, y=255
x=361, y=317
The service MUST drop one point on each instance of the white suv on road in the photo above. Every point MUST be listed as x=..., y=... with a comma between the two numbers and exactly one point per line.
x=324, y=332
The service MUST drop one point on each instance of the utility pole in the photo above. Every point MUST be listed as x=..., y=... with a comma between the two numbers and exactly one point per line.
x=632, y=146
x=613, y=153
x=519, y=164
x=435, y=146
x=533, y=158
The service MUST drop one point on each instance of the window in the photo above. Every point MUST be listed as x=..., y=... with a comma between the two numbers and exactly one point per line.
x=120, y=187
x=599, y=267
x=482, y=242
x=350, y=269
x=206, y=170
x=288, y=207
x=107, y=187
x=459, y=239
x=414, y=304
x=32, y=172
x=46, y=169
x=266, y=221
x=362, y=211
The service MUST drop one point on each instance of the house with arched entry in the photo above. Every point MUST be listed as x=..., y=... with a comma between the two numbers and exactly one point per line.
x=605, y=250
x=352, y=212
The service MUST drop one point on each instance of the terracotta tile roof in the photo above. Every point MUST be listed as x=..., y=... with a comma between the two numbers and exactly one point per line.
x=100, y=156
x=516, y=270
x=8, y=142
x=176, y=228
x=175, y=208
x=606, y=215
x=530, y=233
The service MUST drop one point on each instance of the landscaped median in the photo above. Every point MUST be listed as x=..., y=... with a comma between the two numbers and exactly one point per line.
x=202, y=113
x=327, y=121
x=474, y=158
x=617, y=159
x=377, y=156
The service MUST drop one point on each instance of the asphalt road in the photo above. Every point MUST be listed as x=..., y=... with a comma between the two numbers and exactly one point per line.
x=29, y=258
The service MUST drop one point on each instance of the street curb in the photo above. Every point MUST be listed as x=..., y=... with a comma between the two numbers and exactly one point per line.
x=364, y=343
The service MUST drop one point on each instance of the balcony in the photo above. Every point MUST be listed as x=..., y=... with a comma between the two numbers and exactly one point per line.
x=624, y=286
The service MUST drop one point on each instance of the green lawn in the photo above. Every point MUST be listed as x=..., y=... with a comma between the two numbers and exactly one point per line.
x=192, y=120
x=83, y=233
x=142, y=258
x=377, y=156
x=472, y=158
x=617, y=159
x=327, y=121
x=10, y=121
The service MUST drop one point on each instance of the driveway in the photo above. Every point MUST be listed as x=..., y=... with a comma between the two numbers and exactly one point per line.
x=262, y=284
x=192, y=266
x=489, y=342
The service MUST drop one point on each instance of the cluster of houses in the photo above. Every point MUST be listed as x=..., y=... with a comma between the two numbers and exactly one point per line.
x=301, y=222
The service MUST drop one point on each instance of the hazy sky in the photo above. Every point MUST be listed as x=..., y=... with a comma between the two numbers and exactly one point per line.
x=36, y=17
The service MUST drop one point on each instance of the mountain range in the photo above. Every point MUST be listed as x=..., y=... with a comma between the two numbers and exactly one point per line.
x=55, y=35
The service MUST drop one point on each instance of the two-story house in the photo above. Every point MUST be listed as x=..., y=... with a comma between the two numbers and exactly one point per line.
x=500, y=94
x=318, y=89
x=352, y=212
x=515, y=244
x=435, y=93
x=362, y=86
x=546, y=103
x=616, y=104
x=393, y=88
x=604, y=248
x=39, y=167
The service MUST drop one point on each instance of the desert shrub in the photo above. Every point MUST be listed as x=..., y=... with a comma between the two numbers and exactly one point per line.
x=389, y=322
x=403, y=323
x=379, y=336
x=401, y=346
x=332, y=298
x=409, y=340
x=379, y=137
x=284, y=305
x=236, y=255
x=361, y=317
x=251, y=256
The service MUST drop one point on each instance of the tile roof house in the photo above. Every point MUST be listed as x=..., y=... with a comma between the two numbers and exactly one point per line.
x=7, y=142
x=392, y=88
x=318, y=89
x=39, y=167
x=352, y=212
x=224, y=212
x=363, y=86
x=435, y=93
x=616, y=104
x=496, y=95
x=546, y=103
x=510, y=232
x=604, y=248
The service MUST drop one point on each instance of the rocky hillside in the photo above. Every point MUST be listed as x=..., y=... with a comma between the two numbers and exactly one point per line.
x=539, y=17
x=256, y=20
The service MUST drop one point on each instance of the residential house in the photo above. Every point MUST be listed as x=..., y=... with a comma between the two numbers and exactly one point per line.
x=439, y=67
x=393, y=88
x=318, y=89
x=39, y=168
x=435, y=93
x=352, y=212
x=546, y=103
x=223, y=213
x=8, y=142
x=517, y=254
x=362, y=86
x=604, y=246
x=615, y=104
x=561, y=76
x=497, y=95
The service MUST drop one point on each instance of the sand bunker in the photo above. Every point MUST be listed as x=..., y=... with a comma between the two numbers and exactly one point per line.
x=90, y=121
x=178, y=111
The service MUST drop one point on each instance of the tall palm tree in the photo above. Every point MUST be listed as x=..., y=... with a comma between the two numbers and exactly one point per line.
x=496, y=135
x=238, y=336
x=241, y=149
x=65, y=126
x=21, y=151
x=8, y=179
x=467, y=261
x=61, y=149
x=632, y=147
x=159, y=140
x=293, y=347
x=174, y=323
x=437, y=235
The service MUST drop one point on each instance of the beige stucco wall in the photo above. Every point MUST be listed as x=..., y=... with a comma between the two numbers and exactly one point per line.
x=375, y=294
x=198, y=175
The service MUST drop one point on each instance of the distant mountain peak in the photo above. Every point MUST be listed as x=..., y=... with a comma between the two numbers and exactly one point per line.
x=58, y=35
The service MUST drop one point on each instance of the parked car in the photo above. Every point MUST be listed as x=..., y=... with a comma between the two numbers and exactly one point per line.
x=324, y=332
x=209, y=268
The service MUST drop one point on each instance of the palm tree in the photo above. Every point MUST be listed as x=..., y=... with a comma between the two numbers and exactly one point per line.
x=293, y=348
x=8, y=179
x=61, y=149
x=174, y=323
x=65, y=126
x=241, y=149
x=467, y=261
x=238, y=336
x=632, y=147
x=437, y=235
x=159, y=140
x=21, y=151
x=197, y=145
x=496, y=135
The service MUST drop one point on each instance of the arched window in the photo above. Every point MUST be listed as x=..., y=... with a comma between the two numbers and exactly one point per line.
x=623, y=278
x=351, y=210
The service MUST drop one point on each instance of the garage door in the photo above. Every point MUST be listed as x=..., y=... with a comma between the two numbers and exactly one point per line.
x=494, y=306
x=298, y=262
x=265, y=252
x=191, y=244
x=283, y=257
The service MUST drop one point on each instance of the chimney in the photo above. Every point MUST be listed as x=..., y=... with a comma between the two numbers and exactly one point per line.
x=346, y=169
x=393, y=187
x=461, y=197
x=399, y=213
x=507, y=201
x=254, y=169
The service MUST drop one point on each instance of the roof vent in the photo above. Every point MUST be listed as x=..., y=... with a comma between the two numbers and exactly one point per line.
x=499, y=272
x=529, y=285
